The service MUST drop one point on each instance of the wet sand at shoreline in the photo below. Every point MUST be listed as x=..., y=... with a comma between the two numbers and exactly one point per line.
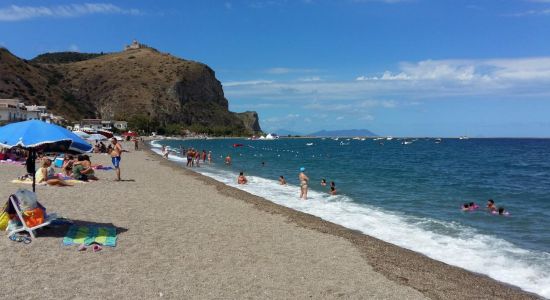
x=184, y=235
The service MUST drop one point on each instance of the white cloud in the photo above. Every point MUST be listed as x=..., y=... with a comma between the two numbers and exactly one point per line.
x=470, y=70
x=429, y=79
x=310, y=79
x=282, y=70
x=246, y=82
x=19, y=13
x=74, y=48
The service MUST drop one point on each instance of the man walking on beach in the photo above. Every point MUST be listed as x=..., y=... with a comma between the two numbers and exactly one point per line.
x=115, y=156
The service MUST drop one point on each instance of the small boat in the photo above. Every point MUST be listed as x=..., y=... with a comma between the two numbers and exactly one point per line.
x=438, y=141
x=309, y=144
x=389, y=138
x=343, y=144
x=406, y=142
x=463, y=137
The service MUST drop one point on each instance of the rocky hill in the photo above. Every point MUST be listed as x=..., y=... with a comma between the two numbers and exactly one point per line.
x=138, y=82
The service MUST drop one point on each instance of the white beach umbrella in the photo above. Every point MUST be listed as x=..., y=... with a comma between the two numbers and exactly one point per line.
x=96, y=137
x=82, y=134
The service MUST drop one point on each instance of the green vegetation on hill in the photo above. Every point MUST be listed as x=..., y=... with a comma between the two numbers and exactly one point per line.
x=63, y=57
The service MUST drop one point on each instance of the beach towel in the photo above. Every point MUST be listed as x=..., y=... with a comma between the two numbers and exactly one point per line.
x=102, y=168
x=87, y=235
x=29, y=181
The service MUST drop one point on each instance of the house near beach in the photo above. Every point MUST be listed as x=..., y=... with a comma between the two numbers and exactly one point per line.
x=14, y=110
x=99, y=124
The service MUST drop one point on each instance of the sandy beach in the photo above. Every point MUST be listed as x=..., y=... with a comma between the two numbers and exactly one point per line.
x=182, y=235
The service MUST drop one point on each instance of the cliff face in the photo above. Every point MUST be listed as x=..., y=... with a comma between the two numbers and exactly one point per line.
x=250, y=120
x=121, y=85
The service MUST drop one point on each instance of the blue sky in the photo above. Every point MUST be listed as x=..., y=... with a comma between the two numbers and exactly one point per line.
x=396, y=67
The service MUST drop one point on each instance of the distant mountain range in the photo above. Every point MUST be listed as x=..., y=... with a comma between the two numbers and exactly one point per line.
x=284, y=132
x=343, y=133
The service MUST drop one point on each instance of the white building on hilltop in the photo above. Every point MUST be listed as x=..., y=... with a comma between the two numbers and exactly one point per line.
x=134, y=45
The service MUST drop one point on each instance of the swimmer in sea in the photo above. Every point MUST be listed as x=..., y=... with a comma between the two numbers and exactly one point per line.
x=332, y=184
x=282, y=180
x=491, y=205
x=228, y=160
x=241, y=179
x=473, y=206
x=332, y=190
x=323, y=182
x=501, y=212
x=465, y=207
x=303, y=183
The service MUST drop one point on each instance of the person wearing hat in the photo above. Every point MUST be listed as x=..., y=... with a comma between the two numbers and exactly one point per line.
x=303, y=183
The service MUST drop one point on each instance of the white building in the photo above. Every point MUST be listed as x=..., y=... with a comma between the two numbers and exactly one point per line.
x=120, y=125
x=36, y=112
x=12, y=110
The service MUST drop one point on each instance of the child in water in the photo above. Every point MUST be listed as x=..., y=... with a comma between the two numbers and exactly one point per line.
x=465, y=207
x=501, y=212
x=241, y=179
x=332, y=190
x=282, y=180
x=473, y=206
x=323, y=182
x=491, y=205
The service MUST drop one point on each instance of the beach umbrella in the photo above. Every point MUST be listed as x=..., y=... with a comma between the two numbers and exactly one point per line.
x=82, y=134
x=96, y=137
x=130, y=133
x=35, y=136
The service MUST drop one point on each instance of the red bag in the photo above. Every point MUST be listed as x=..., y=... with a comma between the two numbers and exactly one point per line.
x=33, y=217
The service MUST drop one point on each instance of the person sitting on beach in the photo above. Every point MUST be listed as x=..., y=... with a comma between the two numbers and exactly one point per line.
x=228, y=160
x=282, y=180
x=46, y=174
x=67, y=167
x=491, y=205
x=323, y=182
x=241, y=179
x=82, y=169
x=332, y=190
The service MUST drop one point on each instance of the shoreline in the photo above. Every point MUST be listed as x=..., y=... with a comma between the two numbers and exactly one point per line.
x=432, y=278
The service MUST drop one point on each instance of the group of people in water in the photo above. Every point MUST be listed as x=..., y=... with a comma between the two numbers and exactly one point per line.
x=192, y=155
x=491, y=207
x=302, y=177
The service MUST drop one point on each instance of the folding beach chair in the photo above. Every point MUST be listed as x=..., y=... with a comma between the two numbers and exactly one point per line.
x=15, y=204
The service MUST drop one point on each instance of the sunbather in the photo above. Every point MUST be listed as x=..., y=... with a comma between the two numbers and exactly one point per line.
x=47, y=174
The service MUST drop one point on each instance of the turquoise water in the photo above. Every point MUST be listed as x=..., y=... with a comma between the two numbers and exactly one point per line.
x=410, y=195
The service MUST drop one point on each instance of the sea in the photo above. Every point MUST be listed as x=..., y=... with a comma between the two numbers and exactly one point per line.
x=410, y=194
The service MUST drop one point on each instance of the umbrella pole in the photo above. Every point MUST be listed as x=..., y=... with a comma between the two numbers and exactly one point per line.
x=33, y=161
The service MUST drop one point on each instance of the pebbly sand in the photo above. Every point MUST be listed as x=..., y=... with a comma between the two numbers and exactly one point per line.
x=185, y=236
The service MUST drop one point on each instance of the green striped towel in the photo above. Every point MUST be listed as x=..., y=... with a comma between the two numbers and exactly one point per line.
x=90, y=234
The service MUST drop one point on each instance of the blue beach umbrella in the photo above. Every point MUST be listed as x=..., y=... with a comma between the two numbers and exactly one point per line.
x=37, y=136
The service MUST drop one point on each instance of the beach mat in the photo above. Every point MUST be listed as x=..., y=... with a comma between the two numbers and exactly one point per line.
x=77, y=235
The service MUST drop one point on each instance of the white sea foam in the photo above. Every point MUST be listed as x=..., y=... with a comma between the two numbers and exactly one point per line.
x=451, y=243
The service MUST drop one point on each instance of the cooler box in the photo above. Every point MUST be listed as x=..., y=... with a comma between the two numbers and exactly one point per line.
x=58, y=163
